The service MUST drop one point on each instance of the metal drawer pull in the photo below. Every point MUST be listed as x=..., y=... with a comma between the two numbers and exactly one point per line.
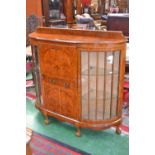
x=52, y=81
x=66, y=85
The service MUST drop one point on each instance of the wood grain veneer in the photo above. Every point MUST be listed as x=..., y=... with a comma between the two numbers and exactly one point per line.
x=79, y=76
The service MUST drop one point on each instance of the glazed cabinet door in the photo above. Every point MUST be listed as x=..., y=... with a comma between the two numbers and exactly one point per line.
x=100, y=72
x=58, y=68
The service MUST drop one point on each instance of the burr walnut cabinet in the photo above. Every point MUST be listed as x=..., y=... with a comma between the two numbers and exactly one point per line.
x=79, y=76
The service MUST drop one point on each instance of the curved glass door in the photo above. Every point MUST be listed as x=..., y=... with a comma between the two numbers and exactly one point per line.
x=100, y=75
x=36, y=74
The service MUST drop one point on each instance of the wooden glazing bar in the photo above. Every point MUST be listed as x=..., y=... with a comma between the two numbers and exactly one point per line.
x=104, y=89
x=97, y=59
x=118, y=100
x=112, y=83
x=80, y=84
x=88, y=85
x=118, y=84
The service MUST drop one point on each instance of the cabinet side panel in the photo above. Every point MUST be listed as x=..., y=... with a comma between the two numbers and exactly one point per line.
x=36, y=73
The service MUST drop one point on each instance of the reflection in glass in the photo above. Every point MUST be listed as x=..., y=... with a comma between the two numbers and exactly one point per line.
x=54, y=9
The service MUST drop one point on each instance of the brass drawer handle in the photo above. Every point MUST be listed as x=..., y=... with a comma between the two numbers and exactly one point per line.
x=53, y=81
x=66, y=85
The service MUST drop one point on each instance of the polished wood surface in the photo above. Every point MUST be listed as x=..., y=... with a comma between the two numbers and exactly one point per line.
x=69, y=11
x=34, y=16
x=82, y=37
x=63, y=60
x=79, y=6
x=34, y=7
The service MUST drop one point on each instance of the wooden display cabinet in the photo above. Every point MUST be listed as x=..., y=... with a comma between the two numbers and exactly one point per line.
x=79, y=76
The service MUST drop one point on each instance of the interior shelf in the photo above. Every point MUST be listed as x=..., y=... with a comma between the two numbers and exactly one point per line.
x=100, y=72
x=100, y=95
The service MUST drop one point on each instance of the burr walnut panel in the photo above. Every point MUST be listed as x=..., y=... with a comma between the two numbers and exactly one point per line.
x=60, y=96
x=69, y=103
x=52, y=98
x=58, y=61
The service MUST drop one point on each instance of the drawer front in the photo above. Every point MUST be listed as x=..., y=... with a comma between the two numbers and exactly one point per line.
x=60, y=82
x=58, y=61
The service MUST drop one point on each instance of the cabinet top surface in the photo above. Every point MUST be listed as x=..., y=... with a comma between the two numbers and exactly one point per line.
x=77, y=36
x=118, y=15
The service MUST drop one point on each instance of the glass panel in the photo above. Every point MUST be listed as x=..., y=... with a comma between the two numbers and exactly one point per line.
x=100, y=87
x=84, y=81
x=108, y=82
x=115, y=83
x=36, y=74
x=92, y=88
x=99, y=84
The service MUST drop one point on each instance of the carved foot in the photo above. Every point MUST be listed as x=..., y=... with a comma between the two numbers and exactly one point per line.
x=118, y=131
x=78, y=132
x=47, y=120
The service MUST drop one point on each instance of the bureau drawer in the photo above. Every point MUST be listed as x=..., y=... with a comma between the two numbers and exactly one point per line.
x=68, y=84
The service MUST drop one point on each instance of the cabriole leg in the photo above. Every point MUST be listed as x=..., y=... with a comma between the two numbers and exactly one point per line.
x=118, y=131
x=46, y=120
x=78, y=132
